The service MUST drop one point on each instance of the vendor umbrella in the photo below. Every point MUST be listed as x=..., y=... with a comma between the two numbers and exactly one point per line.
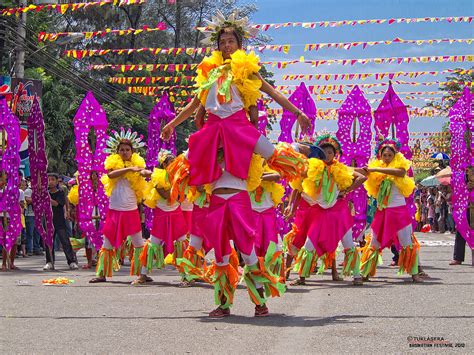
x=440, y=156
x=430, y=181
x=444, y=176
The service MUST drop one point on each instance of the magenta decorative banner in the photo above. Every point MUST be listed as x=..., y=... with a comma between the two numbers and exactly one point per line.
x=393, y=112
x=39, y=177
x=356, y=109
x=91, y=118
x=9, y=164
x=302, y=99
x=262, y=118
x=160, y=115
x=461, y=120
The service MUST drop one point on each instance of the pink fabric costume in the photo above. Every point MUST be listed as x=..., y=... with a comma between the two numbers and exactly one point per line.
x=230, y=219
x=120, y=224
x=302, y=223
x=388, y=222
x=328, y=226
x=266, y=230
x=198, y=226
x=168, y=226
x=235, y=135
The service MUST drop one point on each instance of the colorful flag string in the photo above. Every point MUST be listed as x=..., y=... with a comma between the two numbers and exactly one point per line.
x=339, y=23
x=363, y=61
x=147, y=67
x=285, y=48
x=149, y=80
x=376, y=76
x=52, y=37
x=63, y=8
x=83, y=53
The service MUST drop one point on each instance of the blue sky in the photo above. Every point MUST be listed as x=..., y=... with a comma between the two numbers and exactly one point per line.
x=276, y=11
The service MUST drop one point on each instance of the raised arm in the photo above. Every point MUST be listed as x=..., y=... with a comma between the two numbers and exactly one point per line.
x=188, y=110
x=280, y=99
x=389, y=171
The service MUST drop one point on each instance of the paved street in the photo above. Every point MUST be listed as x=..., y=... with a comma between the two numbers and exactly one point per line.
x=322, y=317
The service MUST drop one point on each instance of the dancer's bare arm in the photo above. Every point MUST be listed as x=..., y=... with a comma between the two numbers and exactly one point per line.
x=389, y=171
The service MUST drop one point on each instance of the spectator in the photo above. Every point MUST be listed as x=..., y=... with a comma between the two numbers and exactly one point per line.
x=449, y=217
x=58, y=201
x=441, y=209
x=418, y=213
x=33, y=239
x=431, y=210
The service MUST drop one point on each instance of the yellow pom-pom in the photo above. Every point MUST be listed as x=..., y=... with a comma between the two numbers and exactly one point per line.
x=159, y=179
x=73, y=195
x=137, y=182
x=313, y=176
x=405, y=184
x=254, y=178
x=276, y=191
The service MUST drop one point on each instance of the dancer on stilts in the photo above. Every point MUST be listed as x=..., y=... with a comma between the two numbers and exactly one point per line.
x=124, y=185
x=326, y=219
x=389, y=183
x=220, y=154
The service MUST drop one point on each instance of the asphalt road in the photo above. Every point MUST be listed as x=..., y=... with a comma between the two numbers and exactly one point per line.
x=389, y=314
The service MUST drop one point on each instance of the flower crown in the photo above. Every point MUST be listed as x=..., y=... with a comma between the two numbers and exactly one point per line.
x=387, y=142
x=163, y=154
x=241, y=26
x=127, y=137
x=331, y=140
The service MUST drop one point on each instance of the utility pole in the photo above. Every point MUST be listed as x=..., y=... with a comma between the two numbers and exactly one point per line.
x=20, y=45
x=177, y=40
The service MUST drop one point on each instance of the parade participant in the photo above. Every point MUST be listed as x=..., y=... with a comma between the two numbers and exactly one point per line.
x=193, y=261
x=83, y=241
x=327, y=218
x=265, y=199
x=168, y=234
x=124, y=184
x=389, y=183
x=220, y=153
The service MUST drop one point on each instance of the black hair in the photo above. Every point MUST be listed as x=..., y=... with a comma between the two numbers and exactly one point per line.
x=125, y=142
x=231, y=31
x=389, y=147
x=328, y=145
x=55, y=175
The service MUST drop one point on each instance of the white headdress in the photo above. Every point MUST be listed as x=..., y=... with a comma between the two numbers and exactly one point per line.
x=123, y=137
x=242, y=26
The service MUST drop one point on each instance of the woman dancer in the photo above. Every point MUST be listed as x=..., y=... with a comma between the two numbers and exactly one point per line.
x=124, y=185
x=389, y=183
x=327, y=217
x=168, y=234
